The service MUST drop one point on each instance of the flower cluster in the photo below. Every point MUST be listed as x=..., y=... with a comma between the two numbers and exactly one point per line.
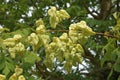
x=40, y=38
x=16, y=76
x=57, y=16
x=2, y=77
x=14, y=45
x=10, y=42
x=33, y=39
x=79, y=32
x=62, y=48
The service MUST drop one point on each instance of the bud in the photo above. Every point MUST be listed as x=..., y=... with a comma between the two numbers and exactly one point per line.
x=33, y=39
x=18, y=71
x=19, y=47
x=64, y=37
x=12, y=52
x=2, y=77
x=52, y=11
x=13, y=77
x=21, y=77
x=9, y=42
x=64, y=14
x=17, y=37
x=41, y=29
x=39, y=22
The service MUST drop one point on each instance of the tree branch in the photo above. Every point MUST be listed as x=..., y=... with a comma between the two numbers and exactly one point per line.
x=57, y=30
x=97, y=33
x=105, y=9
x=41, y=70
x=108, y=35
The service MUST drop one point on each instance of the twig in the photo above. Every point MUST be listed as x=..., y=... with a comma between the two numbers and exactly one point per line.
x=57, y=30
x=97, y=33
x=108, y=35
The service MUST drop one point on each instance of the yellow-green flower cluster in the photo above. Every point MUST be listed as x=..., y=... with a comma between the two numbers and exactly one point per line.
x=40, y=27
x=79, y=32
x=40, y=38
x=57, y=16
x=33, y=39
x=14, y=45
x=2, y=77
x=62, y=48
x=17, y=75
x=10, y=42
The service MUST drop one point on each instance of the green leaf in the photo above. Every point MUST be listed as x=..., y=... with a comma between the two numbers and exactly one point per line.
x=11, y=66
x=2, y=65
x=117, y=65
x=109, y=48
x=110, y=74
x=6, y=69
x=10, y=63
x=23, y=31
x=76, y=11
x=115, y=15
x=109, y=57
x=6, y=65
x=31, y=58
x=31, y=78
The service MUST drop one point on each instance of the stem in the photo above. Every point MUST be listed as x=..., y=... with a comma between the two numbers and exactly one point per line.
x=108, y=35
x=57, y=30
x=97, y=33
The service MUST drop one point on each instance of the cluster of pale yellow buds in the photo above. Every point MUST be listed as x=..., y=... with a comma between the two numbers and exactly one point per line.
x=33, y=39
x=17, y=75
x=41, y=33
x=17, y=37
x=39, y=22
x=12, y=41
x=62, y=48
x=9, y=42
x=40, y=38
x=14, y=45
x=2, y=77
x=18, y=48
x=82, y=26
x=12, y=52
x=79, y=32
x=45, y=39
x=57, y=16
x=40, y=27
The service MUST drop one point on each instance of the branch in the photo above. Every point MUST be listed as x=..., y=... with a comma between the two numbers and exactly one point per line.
x=41, y=71
x=105, y=9
x=97, y=33
x=88, y=55
x=57, y=30
x=108, y=35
